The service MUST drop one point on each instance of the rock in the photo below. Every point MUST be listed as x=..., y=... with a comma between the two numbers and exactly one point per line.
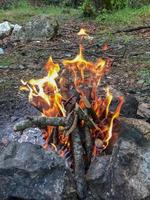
x=32, y=135
x=27, y=171
x=5, y=29
x=16, y=28
x=129, y=108
x=124, y=175
x=39, y=28
x=144, y=111
x=1, y=51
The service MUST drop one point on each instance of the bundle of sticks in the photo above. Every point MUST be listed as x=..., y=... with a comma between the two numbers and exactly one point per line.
x=80, y=136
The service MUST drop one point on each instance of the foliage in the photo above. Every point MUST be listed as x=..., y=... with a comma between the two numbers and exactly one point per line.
x=118, y=4
x=6, y=60
x=50, y=2
x=124, y=17
x=88, y=9
x=145, y=75
x=6, y=4
x=23, y=12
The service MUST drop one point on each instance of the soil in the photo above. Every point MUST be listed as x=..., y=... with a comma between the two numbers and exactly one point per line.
x=130, y=71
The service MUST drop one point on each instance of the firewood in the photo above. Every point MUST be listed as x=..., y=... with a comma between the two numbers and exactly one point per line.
x=133, y=29
x=84, y=116
x=41, y=122
x=73, y=125
x=79, y=168
x=88, y=143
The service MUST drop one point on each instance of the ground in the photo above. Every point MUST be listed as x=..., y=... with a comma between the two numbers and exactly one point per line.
x=129, y=73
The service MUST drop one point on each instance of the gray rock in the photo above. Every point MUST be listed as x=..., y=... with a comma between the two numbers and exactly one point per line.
x=27, y=171
x=5, y=29
x=16, y=28
x=144, y=110
x=32, y=135
x=124, y=175
x=129, y=108
x=1, y=51
x=39, y=28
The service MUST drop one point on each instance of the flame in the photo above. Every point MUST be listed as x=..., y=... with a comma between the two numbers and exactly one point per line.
x=86, y=73
x=83, y=33
x=45, y=95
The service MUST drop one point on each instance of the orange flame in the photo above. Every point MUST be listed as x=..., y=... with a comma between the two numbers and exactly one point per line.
x=45, y=95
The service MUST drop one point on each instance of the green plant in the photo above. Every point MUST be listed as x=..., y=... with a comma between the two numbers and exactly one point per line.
x=52, y=2
x=6, y=4
x=88, y=9
x=119, y=4
x=145, y=75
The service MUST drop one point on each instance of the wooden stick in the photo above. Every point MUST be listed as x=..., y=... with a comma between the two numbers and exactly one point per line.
x=133, y=29
x=84, y=116
x=79, y=168
x=73, y=126
x=41, y=122
x=88, y=142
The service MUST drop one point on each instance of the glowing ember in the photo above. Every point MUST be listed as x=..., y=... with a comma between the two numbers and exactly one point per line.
x=86, y=75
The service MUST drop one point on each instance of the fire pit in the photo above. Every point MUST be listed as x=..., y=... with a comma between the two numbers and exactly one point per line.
x=76, y=121
x=80, y=131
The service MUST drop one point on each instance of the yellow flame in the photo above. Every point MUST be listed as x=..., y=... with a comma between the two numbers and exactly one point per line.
x=82, y=32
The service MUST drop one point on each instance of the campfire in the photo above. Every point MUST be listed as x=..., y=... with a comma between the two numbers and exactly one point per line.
x=75, y=120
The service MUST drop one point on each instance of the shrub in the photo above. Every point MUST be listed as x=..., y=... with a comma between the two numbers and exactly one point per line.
x=6, y=4
x=54, y=2
x=118, y=4
x=88, y=9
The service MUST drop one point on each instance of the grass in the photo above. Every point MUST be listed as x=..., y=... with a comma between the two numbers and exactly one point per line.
x=125, y=17
x=6, y=60
x=23, y=12
x=145, y=75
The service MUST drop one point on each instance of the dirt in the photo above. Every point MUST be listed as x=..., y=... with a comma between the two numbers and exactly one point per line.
x=128, y=73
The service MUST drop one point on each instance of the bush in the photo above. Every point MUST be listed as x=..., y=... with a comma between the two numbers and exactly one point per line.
x=118, y=4
x=88, y=9
x=115, y=4
x=6, y=4
x=54, y=2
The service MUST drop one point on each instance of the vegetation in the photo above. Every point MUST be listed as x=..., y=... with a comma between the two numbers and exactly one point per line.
x=124, y=17
x=5, y=61
x=23, y=11
x=107, y=12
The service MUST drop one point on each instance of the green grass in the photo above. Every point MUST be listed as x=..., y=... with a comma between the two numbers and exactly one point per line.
x=145, y=75
x=125, y=17
x=6, y=60
x=23, y=12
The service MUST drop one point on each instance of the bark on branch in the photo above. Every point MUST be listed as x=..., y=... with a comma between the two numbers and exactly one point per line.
x=41, y=122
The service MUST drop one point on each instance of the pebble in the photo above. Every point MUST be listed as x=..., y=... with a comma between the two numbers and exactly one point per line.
x=140, y=81
x=1, y=51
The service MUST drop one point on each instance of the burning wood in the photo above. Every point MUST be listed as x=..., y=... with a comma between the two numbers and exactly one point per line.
x=85, y=127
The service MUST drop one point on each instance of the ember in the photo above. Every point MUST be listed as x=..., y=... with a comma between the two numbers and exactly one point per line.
x=76, y=121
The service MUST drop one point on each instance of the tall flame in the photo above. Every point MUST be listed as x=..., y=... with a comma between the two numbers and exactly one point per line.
x=86, y=75
x=45, y=96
